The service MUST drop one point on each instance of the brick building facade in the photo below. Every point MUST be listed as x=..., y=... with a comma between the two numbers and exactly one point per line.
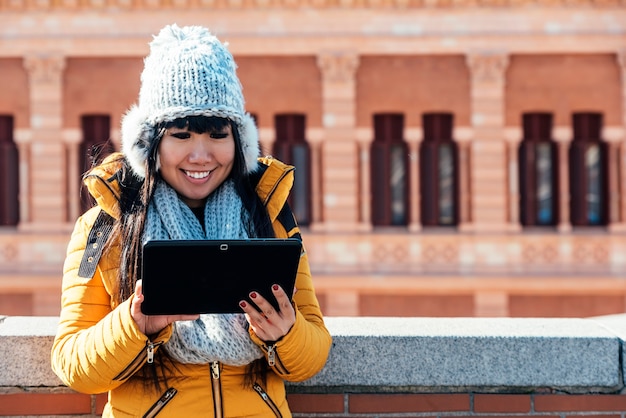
x=454, y=158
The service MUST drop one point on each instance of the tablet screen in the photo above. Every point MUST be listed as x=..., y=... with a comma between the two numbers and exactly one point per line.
x=213, y=276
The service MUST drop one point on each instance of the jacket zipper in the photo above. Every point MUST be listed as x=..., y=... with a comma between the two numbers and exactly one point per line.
x=137, y=363
x=273, y=360
x=216, y=386
x=268, y=401
x=160, y=404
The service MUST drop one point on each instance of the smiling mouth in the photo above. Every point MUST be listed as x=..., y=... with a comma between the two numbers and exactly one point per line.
x=197, y=174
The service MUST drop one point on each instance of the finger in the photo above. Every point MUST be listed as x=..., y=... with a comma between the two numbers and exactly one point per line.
x=283, y=301
x=267, y=309
x=139, y=288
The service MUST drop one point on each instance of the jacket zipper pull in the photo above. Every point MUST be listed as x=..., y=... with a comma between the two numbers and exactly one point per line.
x=150, y=350
x=260, y=391
x=271, y=355
x=215, y=370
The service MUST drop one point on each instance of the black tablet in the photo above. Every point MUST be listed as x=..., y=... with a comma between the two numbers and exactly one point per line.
x=213, y=276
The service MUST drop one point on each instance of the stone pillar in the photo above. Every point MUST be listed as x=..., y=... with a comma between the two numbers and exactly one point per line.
x=315, y=137
x=463, y=136
x=614, y=136
x=23, y=139
x=267, y=137
x=620, y=145
x=48, y=163
x=563, y=136
x=513, y=136
x=364, y=137
x=414, y=137
x=488, y=148
x=72, y=139
x=339, y=152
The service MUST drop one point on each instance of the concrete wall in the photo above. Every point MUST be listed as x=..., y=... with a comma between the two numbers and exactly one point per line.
x=382, y=367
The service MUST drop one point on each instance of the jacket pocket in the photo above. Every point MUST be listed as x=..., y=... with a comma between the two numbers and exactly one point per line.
x=160, y=404
x=138, y=361
x=268, y=401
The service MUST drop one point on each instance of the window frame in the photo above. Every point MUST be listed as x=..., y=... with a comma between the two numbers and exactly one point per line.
x=389, y=140
x=537, y=132
x=438, y=128
x=587, y=129
x=290, y=129
x=9, y=173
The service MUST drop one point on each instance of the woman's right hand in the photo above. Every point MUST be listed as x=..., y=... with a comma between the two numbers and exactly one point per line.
x=151, y=324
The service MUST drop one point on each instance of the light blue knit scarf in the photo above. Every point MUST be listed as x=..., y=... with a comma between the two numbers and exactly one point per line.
x=212, y=337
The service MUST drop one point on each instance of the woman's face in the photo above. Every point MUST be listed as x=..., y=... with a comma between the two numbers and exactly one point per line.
x=196, y=164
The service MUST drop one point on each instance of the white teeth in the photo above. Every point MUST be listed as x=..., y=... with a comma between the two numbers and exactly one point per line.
x=197, y=174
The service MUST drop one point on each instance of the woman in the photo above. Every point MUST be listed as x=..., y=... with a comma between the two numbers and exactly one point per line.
x=188, y=170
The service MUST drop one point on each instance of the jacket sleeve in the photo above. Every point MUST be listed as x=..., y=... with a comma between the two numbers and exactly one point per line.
x=303, y=352
x=96, y=347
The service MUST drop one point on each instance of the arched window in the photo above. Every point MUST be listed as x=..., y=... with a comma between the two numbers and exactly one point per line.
x=389, y=168
x=292, y=148
x=439, y=191
x=9, y=174
x=588, y=171
x=538, y=171
x=95, y=145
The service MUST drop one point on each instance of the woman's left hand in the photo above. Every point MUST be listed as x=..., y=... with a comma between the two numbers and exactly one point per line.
x=270, y=324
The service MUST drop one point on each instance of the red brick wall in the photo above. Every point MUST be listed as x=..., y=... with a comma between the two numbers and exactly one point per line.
x=460, y=404
x=61, y=401
x=563, y=84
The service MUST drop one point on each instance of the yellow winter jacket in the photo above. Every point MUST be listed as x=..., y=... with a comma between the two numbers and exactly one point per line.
x=98, y=347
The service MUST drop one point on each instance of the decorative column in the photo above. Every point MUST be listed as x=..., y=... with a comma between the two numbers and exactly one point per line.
x=364, y=137
x=620, y=145
x=614, y=136
x=488, y=150
x=563, y=136
x=339, y=159
x=463, y=136
x=315, y=137
x=23, y=139
x=513, y=136
x=267, y=137
x=72, y=139
x=48, y=165
x=414, y=137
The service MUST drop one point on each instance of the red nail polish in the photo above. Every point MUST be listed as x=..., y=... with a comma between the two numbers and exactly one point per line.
x=243, y=304
x=253, y=295
x=275, y=287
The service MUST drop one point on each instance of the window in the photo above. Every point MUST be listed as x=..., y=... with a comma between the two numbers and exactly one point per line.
x=9, y=184
x=389, y=168
x=95, y=145
x=588, y=171
x=438, y=171
x=291, y=148
x=538, y=170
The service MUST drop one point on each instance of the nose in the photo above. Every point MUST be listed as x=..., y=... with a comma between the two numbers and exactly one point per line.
x=201, y=150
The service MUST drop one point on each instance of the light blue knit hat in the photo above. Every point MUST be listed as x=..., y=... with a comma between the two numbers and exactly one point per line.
x=188, y=72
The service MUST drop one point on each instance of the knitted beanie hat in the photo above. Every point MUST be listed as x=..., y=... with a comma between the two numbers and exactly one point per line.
x=188, y=72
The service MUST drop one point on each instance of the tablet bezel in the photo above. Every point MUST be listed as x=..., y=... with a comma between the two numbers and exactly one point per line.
x=213, y=276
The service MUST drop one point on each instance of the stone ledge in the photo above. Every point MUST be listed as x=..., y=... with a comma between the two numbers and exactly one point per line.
x=411, y=354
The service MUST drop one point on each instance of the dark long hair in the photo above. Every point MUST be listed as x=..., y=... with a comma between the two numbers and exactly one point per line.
x=135, y=196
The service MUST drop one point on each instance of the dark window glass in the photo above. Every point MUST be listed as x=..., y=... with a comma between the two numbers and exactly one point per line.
x=538, y=171
x=438, y=171
x=292, y=148
x=588, y=172
x=388, y=171
x=95, y=145
x=9, y=174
